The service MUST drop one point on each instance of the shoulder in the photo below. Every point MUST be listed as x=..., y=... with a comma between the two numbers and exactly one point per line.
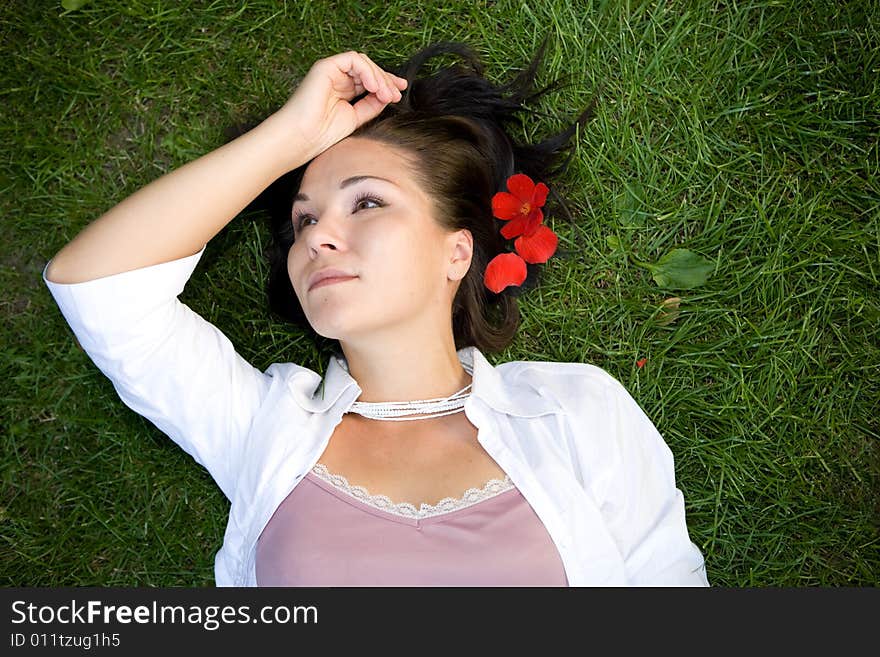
x=576, y=387
x=606, y=426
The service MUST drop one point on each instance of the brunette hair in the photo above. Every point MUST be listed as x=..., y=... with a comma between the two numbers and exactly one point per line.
x=455, y=125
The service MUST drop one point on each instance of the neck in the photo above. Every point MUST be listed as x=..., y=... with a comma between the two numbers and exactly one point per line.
x=402, y=372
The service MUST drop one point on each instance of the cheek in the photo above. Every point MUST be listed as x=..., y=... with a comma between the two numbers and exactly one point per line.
x=417, y=264
x=293, y=264
x=399, y=250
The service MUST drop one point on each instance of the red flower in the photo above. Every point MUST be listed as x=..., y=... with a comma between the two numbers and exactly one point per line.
x=641, y=362
x=522, y=206
x=534, y=243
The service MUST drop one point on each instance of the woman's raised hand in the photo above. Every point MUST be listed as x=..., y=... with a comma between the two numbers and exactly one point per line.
x=319, y=113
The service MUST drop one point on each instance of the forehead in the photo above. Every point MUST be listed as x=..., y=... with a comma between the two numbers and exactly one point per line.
x=356, y=156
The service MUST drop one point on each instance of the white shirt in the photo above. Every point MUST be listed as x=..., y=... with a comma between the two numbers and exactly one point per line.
x=573, y=441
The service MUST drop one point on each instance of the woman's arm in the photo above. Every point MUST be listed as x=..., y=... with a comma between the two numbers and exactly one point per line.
x=646, y=510
x=176, y=215
x=630, y=473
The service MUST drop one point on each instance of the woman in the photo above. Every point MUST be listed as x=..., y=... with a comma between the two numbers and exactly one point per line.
x=521, y=474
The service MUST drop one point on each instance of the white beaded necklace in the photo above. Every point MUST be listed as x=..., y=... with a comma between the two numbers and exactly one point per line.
x=406, y=410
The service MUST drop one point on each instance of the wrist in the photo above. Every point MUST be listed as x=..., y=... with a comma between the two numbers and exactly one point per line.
x=288, y=148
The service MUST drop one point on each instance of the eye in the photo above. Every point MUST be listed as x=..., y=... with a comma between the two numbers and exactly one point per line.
x=299, y=218
x=366, y=197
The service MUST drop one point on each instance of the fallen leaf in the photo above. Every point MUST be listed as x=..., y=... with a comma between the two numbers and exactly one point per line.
x=631, y=206
x=668, y=311
x=679, y=269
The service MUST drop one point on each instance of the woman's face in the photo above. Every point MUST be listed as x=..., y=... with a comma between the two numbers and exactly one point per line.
x=360, y=210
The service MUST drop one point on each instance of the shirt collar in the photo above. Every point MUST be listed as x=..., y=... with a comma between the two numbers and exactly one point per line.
x=488, y=385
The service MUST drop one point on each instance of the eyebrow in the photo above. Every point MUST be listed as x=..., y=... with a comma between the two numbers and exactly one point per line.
x=345, y=183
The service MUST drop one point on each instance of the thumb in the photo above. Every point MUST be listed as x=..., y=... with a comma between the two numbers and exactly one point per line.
x=368, y=108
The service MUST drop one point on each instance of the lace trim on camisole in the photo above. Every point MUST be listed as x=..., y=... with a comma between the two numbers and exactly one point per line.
x=471, y=496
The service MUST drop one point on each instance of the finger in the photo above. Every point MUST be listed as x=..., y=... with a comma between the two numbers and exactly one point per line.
x=366, y=75
x=354, y=65
x=357, y=89
x=393, y=87
x=386, y=90
x=370, y=72
x=389, y=93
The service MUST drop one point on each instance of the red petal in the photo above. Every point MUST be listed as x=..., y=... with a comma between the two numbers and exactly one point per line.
x=505, y=206
x=532, y=222
x=515, y=228
x=504, y=269
x=521, y=186
x=539, y=196
x=641, y=362
x=538, y=247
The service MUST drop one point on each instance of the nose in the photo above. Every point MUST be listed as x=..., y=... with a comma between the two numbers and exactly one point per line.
x=326, y=233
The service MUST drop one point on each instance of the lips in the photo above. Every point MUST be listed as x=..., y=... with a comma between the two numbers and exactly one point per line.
x=325, y=274
x=330, y=281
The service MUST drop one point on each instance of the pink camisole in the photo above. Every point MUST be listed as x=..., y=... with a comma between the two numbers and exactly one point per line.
x=329, y=533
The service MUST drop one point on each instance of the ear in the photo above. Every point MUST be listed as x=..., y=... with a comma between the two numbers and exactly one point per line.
x=461, y=249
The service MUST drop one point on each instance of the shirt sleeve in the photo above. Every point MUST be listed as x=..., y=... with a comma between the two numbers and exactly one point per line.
x=644, y=509
x=166, y=362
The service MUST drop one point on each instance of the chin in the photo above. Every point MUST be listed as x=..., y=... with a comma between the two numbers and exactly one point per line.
x=327, y=329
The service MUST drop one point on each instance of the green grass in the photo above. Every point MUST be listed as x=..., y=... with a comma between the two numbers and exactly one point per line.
x=746, y=132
